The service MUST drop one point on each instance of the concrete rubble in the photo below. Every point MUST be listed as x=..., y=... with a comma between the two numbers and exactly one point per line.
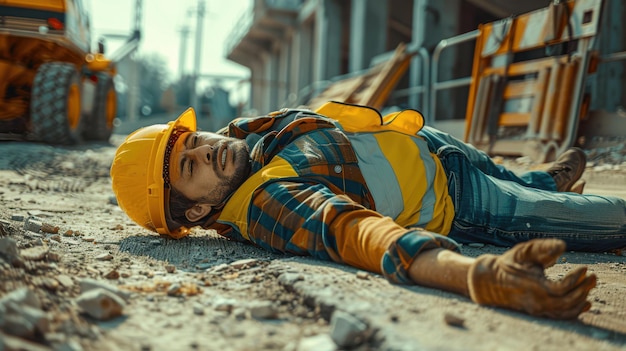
x=76, y=274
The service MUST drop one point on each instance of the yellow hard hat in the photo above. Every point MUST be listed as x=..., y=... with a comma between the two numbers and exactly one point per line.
x=139, y=172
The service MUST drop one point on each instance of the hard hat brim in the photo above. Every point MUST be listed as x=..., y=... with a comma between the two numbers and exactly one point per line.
x=186, y=121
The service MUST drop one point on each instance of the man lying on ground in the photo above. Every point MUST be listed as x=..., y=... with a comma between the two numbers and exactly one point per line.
x=383, y=194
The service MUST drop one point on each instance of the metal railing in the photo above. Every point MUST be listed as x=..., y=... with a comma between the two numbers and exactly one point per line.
x=435, y=85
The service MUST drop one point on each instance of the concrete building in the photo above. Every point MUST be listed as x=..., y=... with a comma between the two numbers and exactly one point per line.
x=295, y=47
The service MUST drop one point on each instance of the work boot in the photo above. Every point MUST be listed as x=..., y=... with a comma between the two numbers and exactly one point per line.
x=568, y=168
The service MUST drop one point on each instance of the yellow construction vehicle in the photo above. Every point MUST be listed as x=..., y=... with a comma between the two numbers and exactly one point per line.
x=53, y=87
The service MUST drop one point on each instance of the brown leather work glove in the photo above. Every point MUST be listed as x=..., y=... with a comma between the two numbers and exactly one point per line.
x=516, y=280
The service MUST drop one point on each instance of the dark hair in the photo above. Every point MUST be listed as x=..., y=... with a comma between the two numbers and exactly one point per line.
x=179, y=204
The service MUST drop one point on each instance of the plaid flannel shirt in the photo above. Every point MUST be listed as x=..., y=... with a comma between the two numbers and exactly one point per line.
x=325, y=210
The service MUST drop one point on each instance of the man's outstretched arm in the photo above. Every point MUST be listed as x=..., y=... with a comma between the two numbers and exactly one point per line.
x=514, y=280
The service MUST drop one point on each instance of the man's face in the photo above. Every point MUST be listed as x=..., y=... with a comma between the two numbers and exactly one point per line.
x=207, y=167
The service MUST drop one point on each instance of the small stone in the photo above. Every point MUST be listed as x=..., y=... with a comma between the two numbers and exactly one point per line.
x=453, y=320
x=289, y=279
x=17, y=217
x=173, y=290
x=170, y=268
x=101, y=304
x=198, y=309
x=246, y=263
x=65, y=280
x=362, y=275
x=263, y=310
x=17, y=325
x=37, y=317
x=53, y=256
x=21, y=296
x=218, y=268
x=89, y=239
x=224, y=305
x=113, y=200
x=36, y=253
x=68, y=232
x=346, y=330
x=104, y=257
x=321, y=342
x=240, y=313
x=50, y=284
x=112, y=275
x=56, y=238
x=8, y=249
x=88, y=284
x=32, y=225
x=8, y=342
x=49, y=228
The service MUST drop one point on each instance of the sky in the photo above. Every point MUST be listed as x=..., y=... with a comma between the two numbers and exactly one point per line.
x=162, y=21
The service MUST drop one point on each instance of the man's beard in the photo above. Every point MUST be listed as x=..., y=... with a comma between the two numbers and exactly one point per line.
x=227, y=187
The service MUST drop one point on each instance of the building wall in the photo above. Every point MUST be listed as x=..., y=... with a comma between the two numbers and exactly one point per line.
x=330, y=38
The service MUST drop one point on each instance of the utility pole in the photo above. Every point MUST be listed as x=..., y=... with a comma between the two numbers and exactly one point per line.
x=195, y=99
x=134, y=93
x=182, y=54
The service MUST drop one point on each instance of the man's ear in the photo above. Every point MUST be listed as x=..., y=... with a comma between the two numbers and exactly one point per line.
x=198, y=211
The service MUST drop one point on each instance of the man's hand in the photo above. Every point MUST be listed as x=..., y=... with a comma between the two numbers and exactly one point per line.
x=516, y=280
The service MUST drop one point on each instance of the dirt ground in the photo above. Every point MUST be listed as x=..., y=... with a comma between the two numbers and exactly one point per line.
x=61, y=233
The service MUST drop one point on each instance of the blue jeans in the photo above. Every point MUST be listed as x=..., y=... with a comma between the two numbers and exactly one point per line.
x=495, y=206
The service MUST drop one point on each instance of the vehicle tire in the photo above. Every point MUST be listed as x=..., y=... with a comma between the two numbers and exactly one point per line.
x=99, y=123
x=55, y=104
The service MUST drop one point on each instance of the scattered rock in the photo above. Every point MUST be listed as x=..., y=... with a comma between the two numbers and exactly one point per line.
x=35, y=316
x=246, y=263
x=8, y=342
x=222, y=304
x=170, y=268
x=289, y=279
x=321, y=342
x=65, y=280
x=32, y=225
x=346, y=330
x=112, y=275
x=104, y=257
x=88, y=284
x=21, y=314
x=36, y=253
x=173, y=290
x=49, y=228
x=453, y=320
x=9, y=250
x=263, y=310
x=198, y=309
x=56, y=238
x=22, y=296
x=17, y=217
x=362, y=275
x=218, y=268
x=101, y=304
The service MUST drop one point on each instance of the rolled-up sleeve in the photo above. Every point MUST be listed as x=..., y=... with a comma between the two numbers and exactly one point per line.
x=309, y=219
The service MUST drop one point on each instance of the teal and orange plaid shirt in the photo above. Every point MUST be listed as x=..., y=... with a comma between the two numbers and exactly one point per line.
x=325, y=209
